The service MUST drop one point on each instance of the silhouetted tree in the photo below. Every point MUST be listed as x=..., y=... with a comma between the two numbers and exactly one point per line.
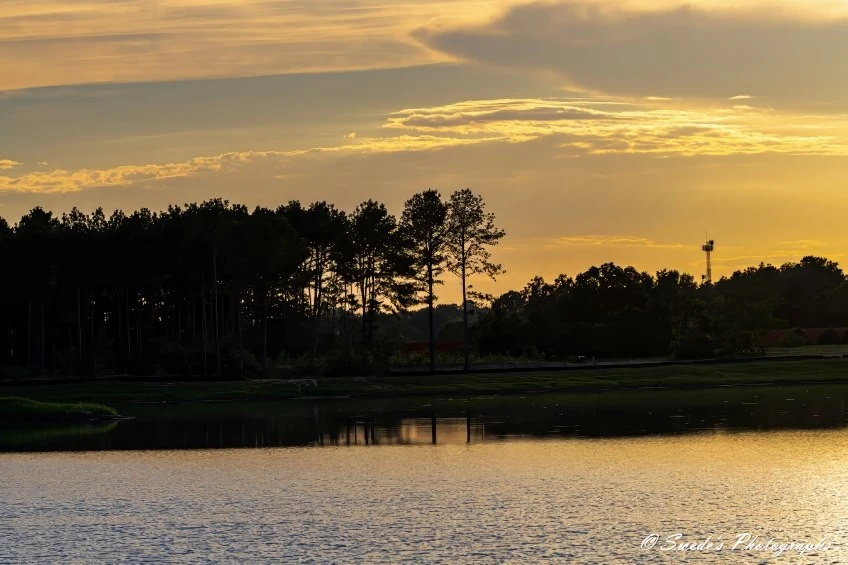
x=379, y=264
x=321, y=226
x=213, y=289
x=471, y=231
x=424, y=224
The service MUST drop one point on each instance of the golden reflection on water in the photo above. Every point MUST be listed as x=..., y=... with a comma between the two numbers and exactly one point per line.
x=409, y=431
x=566, y=500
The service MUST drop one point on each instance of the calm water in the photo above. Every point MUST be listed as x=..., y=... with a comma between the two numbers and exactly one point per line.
x=582, y=479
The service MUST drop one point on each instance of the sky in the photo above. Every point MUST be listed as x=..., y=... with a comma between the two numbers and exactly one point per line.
x=596, y=130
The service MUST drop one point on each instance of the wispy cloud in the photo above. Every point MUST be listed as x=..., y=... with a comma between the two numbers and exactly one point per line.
x=63, y=181
x=49, y=42
x=8, y=164
x=776, y=257
x=597, y=127
x=578, y=126
x=609, y=241
x=742, y=97
x=60, y=180
x=803, y=244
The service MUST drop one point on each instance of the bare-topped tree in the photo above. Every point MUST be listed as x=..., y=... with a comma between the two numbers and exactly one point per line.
x=471, y=231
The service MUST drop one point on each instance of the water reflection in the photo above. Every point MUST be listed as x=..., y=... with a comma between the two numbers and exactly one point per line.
x=406, y=431
x=445, y=421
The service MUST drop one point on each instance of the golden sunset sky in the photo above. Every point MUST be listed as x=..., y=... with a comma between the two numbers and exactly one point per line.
x=597, y=131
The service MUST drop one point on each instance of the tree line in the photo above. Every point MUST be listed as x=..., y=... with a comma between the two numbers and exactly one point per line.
x=612, y=311
x=216, y=289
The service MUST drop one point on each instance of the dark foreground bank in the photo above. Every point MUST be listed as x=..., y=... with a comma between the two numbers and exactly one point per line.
x=761, y=373
x=17, y=410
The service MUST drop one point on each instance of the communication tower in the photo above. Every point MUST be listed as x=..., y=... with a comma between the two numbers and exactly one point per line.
x=708, y=249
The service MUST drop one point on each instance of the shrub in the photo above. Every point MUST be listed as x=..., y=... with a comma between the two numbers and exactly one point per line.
x=359, y=364
x=343, y=364
x=830, y=337
x=15, y=373
x=796, y=338
x=295, y=366
x=698, y=346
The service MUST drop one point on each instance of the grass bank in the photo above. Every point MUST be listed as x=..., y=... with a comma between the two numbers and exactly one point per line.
x=15, y=409
x=593, y=380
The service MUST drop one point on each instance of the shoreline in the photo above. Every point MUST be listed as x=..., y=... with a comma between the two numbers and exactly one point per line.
x=454, y=370
x=62, y=421
x=21, y=411
x=759, y=373
x=574, y=390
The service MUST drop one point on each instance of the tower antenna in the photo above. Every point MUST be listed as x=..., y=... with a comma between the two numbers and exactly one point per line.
x=707, y=248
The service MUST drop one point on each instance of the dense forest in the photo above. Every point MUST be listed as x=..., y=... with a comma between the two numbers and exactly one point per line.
x=213, y=289
x=611, y=311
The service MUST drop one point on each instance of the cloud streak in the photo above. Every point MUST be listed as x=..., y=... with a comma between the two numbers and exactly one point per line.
x=631, y=45
x=609, y=241
x=64, y=181
x=60, y=180
x=616, y=126
x=573, y=126
x=50, y=42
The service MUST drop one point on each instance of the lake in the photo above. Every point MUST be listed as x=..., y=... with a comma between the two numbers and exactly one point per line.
x=569, y=479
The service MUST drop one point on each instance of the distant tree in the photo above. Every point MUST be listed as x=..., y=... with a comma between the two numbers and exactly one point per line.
x=807, y=290
x=322, y=228
x=379, y=264
x=424, y=224
x=505, y=329
x=471, y=231
x=276, y=255
x=210, y=288
x=744, y=307
x=38, y=263
x=674, y=309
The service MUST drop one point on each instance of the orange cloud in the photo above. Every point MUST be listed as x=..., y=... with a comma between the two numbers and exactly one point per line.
x=50, y=42
x=53, y=42
x=59, y=180
x=62, y=181
x=576, y=126
x=617, y=126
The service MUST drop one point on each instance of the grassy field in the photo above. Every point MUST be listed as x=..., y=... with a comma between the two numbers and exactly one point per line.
x=672, y=377
x=17, y=409
x=838, y=349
